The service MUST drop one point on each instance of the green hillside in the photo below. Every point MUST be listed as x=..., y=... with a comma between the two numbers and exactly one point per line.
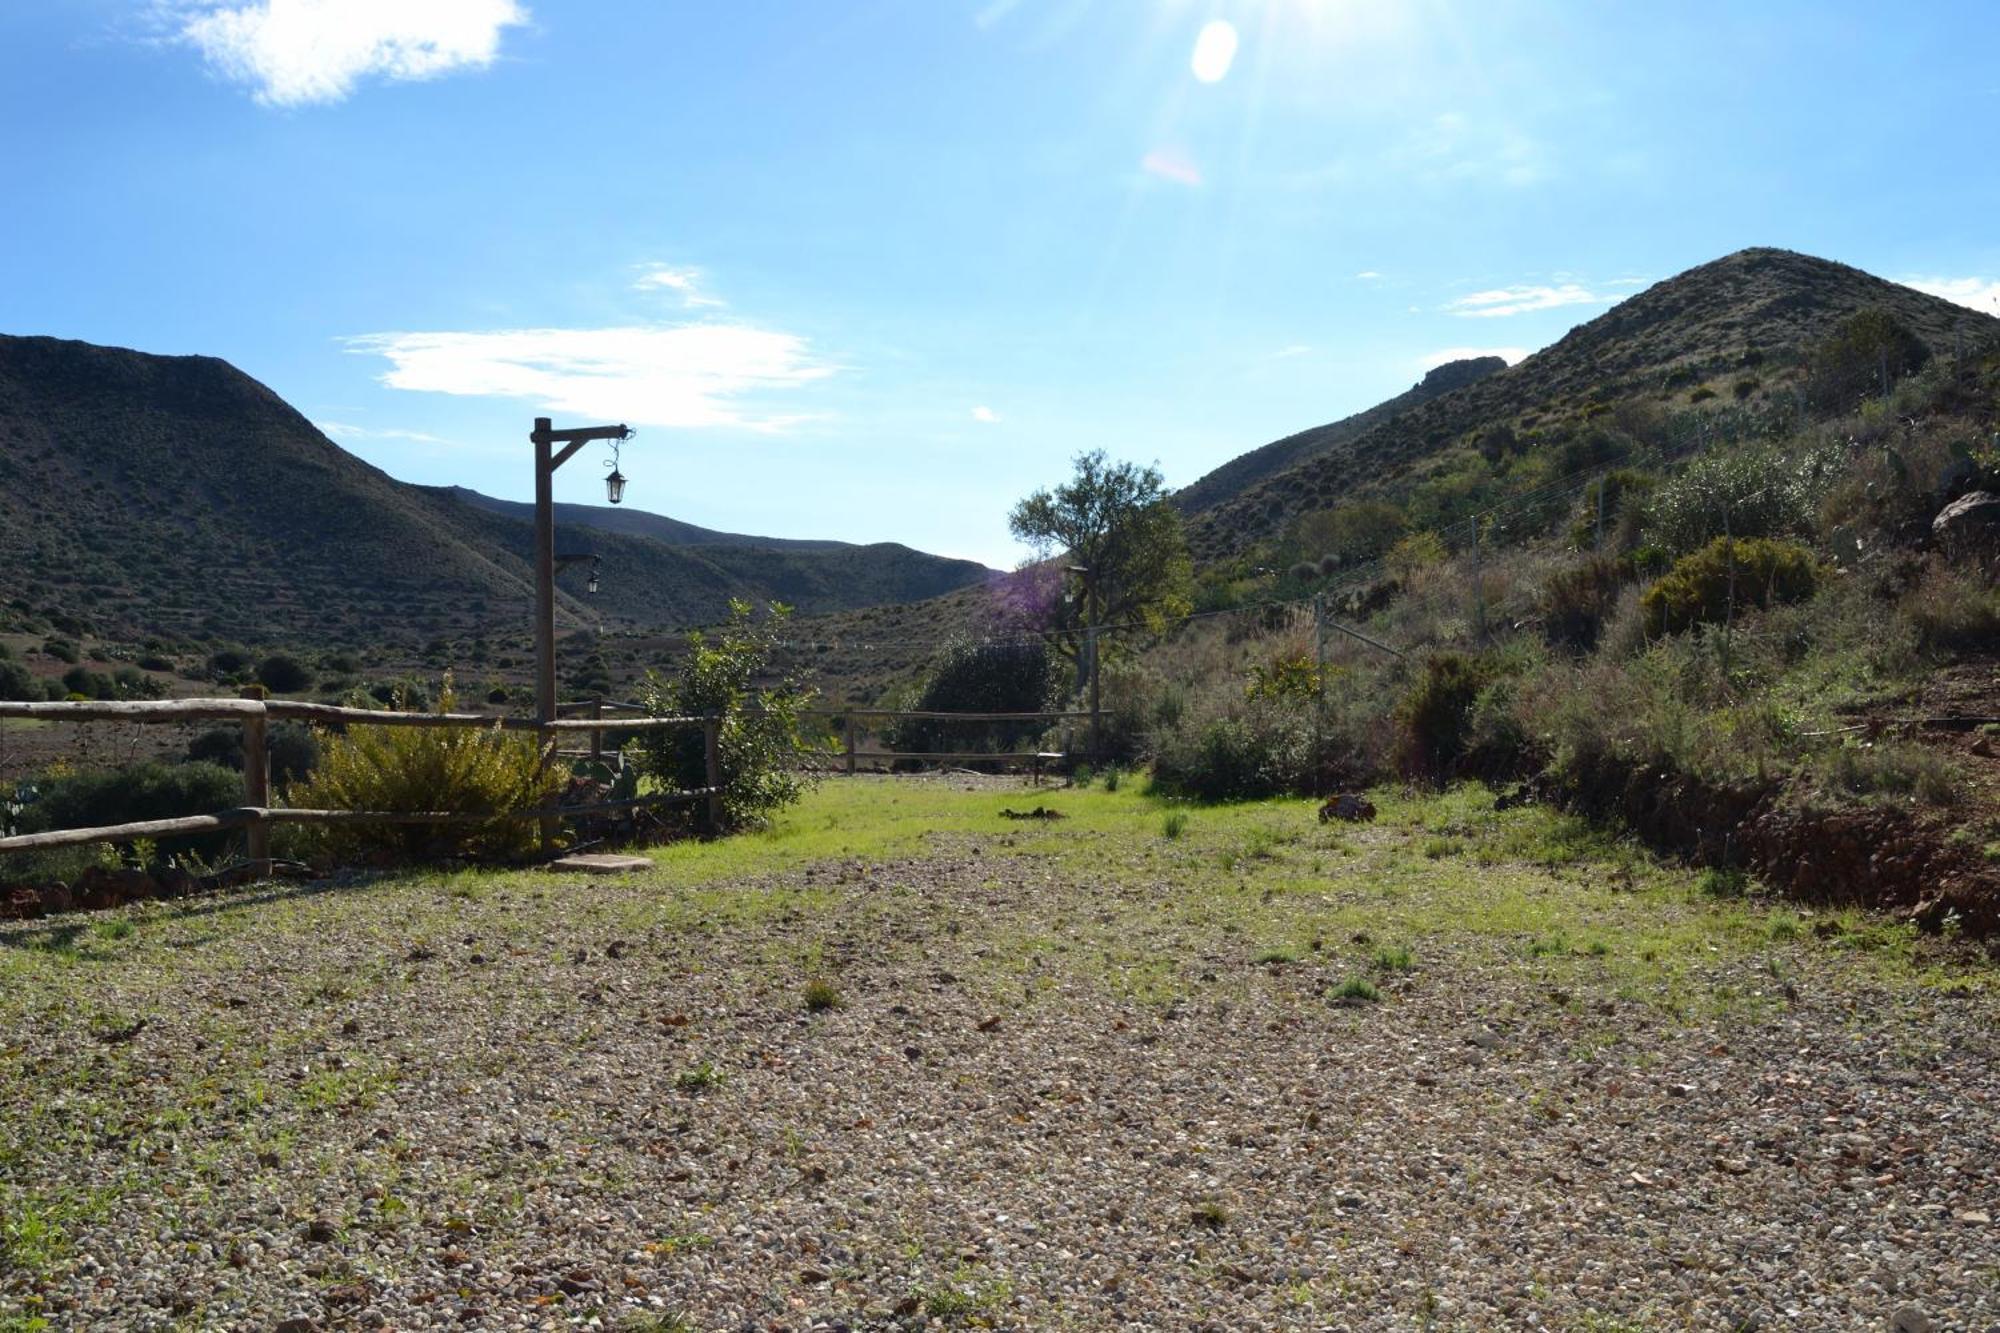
x=1731, y=336
x=149, y=496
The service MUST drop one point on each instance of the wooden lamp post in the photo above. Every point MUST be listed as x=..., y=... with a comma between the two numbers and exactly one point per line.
x=547, y=459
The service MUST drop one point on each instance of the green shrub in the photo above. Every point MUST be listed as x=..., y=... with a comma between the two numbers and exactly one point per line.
x=293, y=746
x=1753, y=492
x=283, y=674
x=1435, y=717
x=1577, y=599
x=1953, y=611
x=1850, y=364
x=461, y=770
x=759, y=728
x=150, y=790
x=228, y=663
x=1699, y=588
x=1263, y=750
x=18, y=684
x=62, y=650
x=974, y=677
x=89, y=684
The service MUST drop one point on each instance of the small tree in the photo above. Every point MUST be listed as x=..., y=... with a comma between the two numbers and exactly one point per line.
x=1115, y=520
x=759, y=723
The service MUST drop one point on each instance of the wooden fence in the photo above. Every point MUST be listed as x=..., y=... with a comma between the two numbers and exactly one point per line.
x=256, y=815
x=850, y=755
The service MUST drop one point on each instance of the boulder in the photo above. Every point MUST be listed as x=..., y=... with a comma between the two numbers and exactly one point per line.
x=1969, y=527
x=1348, y=807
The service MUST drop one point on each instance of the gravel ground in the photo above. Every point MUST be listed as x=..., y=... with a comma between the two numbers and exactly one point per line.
x=1056, y=1089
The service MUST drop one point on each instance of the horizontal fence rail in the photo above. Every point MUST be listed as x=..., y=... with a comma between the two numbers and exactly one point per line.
x=256, y=815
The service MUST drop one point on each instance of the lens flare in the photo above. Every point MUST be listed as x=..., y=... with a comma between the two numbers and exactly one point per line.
x=1214, y=51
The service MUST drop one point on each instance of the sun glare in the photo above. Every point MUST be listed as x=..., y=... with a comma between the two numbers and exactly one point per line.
x=1214, y=51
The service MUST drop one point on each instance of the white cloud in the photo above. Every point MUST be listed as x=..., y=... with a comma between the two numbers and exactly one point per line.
x=683, y=282
x=985, y=414
x=1520, y=300
x=1367, y=275
x=1511, y=355
x=1981, y=294
x=1294, y=349
x=296, y=52
x=682, y=376
x=348, y=431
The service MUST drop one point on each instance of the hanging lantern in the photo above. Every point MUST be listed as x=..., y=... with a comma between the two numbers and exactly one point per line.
x=614, y=481
x=590, y=586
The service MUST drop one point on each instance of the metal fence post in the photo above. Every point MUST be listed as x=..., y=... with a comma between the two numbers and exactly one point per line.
x=711, y=743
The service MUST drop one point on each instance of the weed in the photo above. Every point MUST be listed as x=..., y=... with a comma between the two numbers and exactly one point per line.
x=1722, y=882
x=652, y=1321
x=699, y=1078
x=1355, y=990
x=1209, y=1214
x=821, y=995
x=1395, y=959
x=1280, y=955
x=112, y=930
x=1173, y=824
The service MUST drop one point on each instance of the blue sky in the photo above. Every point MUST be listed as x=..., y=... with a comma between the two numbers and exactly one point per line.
x=874, y=270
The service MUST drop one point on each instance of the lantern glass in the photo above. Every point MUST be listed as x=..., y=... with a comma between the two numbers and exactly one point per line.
x=591, y=586
x=614, y=486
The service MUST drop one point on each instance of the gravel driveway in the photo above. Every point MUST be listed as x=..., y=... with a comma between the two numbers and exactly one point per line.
x=1075, y=1075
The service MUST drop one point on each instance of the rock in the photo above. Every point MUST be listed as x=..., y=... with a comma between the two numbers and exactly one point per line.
x=1486, y=1039
x=1909, y=1319
x=1347, y=807
x=296, y=1326
x=1969, y=527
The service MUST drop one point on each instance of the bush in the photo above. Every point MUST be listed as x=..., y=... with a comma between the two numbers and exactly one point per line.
x=228, y=663
x=1264, y=749
x=1435, y=717
x=463, y=770
x=293, y=746
x=150, y=790
x=61, y=649
x=1761, y=492
x=971, y=677
x=1952, y=611
x=283, y=674
x=759, y=727
x=18, y=684
x=89, y=684
x=1849, y=365
x=1576, y=601
x=1698, y=589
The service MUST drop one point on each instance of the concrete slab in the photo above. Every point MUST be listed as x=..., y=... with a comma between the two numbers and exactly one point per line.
x=601, y=863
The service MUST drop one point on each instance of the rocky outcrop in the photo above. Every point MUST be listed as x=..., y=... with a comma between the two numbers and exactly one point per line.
x=1969, y=527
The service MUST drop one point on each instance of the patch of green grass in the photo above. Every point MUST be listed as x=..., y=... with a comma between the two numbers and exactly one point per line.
x=117, y=928
x=1173, y=824
x=650, y=1321
x=821, y=995
x=1722, y=882
x=32, y=1237
x=1280, y=955
x=1355, y=990
x=966, y=1296
x=1395, y=958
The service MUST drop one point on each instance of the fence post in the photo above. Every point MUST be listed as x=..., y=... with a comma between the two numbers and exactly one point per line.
x=1478, y=589
x=1096, y=718
x=1319, y=690
x=711, y=744
x=257, y=791
x=847, y=723
x=596, y=734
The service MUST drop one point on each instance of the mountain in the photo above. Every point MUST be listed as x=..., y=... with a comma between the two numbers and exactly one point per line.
x=153, y=496
x=1736, y=331
x=1239, y=474
x=636, y=523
